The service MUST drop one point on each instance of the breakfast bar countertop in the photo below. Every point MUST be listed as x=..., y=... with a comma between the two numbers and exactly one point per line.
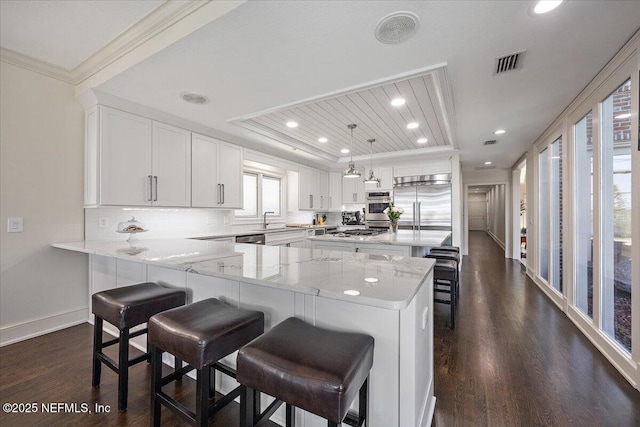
x=401, y=238
x=392, y=281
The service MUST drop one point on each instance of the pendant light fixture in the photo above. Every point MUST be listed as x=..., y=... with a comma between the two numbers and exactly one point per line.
x=351, y=171
x=371, y=179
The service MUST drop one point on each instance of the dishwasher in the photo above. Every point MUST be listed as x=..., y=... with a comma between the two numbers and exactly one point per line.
x=256, y=239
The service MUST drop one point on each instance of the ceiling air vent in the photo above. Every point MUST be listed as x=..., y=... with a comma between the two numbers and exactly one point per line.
x=490, y=142
x=397, y=27
x=478, y=168
x=510, y=62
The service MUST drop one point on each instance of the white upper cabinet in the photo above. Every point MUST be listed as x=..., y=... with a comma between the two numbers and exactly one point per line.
x=335, y=191
x=352, y=190
x=125, y=173
x=171, y=165
x=134, y=161
x=385, y=175
x=323, y=189
x=216, y=173
x=308, y=188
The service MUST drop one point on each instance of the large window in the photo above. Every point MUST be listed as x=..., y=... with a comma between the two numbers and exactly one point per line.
x=550, y=214
x=615, y=215
x=262, y=193
x=583, y=214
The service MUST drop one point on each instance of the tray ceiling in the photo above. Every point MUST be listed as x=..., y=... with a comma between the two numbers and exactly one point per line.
x=428, y=103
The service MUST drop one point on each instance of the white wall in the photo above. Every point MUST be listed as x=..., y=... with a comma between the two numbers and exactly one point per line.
x=41, y=167
x=498, y=223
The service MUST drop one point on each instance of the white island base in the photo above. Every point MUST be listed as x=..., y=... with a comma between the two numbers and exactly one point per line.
x=401, y=379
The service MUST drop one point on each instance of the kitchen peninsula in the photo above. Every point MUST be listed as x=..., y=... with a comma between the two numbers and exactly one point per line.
x=403, y=242
x=387, y=296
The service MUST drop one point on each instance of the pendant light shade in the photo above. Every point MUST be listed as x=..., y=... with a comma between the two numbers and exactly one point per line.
x=351, y=171
x=371, y=179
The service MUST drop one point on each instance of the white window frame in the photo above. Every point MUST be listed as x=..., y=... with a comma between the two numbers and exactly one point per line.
x=261, y=170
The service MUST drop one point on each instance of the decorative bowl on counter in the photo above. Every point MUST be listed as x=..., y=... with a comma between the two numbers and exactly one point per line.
x=132, y=227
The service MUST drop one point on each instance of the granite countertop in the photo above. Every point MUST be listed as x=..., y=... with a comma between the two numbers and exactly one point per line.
x=289, y=229
x=401, y=238
x=315, y=272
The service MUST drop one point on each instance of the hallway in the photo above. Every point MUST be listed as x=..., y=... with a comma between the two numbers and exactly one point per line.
x=515, y=359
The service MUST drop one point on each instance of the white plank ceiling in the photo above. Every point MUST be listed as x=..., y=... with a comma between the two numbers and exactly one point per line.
x=428, y=103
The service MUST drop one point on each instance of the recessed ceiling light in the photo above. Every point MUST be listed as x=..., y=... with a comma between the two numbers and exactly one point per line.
x=397, y=102
x=194, y=98
x=412, y=125
x=292, y=124
x=351, y=292
x=623, y=116
x=422, y=140
x=371, y=280
x=499, y=132
x=487, y=163
x=323, y=139
x=344, y=150
x=544, y=6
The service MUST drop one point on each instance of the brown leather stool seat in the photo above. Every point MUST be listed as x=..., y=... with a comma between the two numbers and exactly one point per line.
x=447, y=249
x=318, y=370
x=125, y=308
x=445, y=280
x=200, y=334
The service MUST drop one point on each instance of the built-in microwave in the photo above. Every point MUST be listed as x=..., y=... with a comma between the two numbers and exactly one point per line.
x=375, y=204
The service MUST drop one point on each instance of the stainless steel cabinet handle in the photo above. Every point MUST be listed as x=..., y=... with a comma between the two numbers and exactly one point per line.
x=155, y=179
x=222, y=194
x=150, y=188
x=357, y=249
x=310, y=200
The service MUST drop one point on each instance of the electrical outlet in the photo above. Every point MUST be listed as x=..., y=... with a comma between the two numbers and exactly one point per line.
x=209, y=220
x=103, y=222
x=14, y=225
x=226, y=220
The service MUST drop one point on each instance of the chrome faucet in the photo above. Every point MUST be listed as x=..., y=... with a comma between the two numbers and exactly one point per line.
x=264, y=219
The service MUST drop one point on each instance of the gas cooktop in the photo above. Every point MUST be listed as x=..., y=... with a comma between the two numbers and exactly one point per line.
x=360, y=232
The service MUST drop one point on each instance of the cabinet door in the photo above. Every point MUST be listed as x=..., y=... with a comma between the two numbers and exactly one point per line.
x=308, y=188
x=125, y=159
x=335, y=191
x=323, y=190
x=171, y=160
x=359, y=189
x=386, y=178
x=205, y=191
x=230, y=175
x=351, y=189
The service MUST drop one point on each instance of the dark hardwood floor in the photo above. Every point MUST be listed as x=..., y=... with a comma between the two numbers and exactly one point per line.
x=514, y=359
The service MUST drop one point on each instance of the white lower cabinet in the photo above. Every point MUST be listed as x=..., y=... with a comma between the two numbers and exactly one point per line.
x=294, y=238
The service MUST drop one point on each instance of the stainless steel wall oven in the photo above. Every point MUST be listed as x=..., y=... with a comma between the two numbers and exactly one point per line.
x=375, y=204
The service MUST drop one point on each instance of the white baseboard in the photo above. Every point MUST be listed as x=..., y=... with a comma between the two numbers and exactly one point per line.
x=34, y=328
x=494, y=237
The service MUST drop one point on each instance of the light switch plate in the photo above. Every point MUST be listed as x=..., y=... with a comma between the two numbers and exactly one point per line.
x=14, y=225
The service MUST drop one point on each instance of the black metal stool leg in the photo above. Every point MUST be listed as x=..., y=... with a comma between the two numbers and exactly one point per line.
x=202, y=397
x=123, y=369
x=247, y=414
x=156, y=385
x=97, y=348
x=363, y=402
x=291, y=415
x=177, y=365
x=453, y=305
x=212, y=382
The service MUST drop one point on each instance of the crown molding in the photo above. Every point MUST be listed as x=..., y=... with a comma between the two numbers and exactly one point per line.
x=159, y=20
x=144, y=30
x=35, y=65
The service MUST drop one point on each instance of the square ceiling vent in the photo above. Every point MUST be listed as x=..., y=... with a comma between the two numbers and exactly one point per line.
x=510, y=62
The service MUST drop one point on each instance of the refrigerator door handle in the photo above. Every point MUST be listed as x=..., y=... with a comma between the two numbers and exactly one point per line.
x=419, y=218
x=413, y=226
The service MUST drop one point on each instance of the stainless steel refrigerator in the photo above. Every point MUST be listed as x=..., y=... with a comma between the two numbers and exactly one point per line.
x=426, y=200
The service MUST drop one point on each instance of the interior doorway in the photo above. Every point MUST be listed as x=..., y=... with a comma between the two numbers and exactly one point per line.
x=477, y=209
x=520, y=218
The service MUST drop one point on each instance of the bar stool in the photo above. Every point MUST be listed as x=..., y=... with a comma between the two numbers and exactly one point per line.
x=318, y=370
x=445, y=277
x=201, y=334
x=125, y=308
x=452, y=255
